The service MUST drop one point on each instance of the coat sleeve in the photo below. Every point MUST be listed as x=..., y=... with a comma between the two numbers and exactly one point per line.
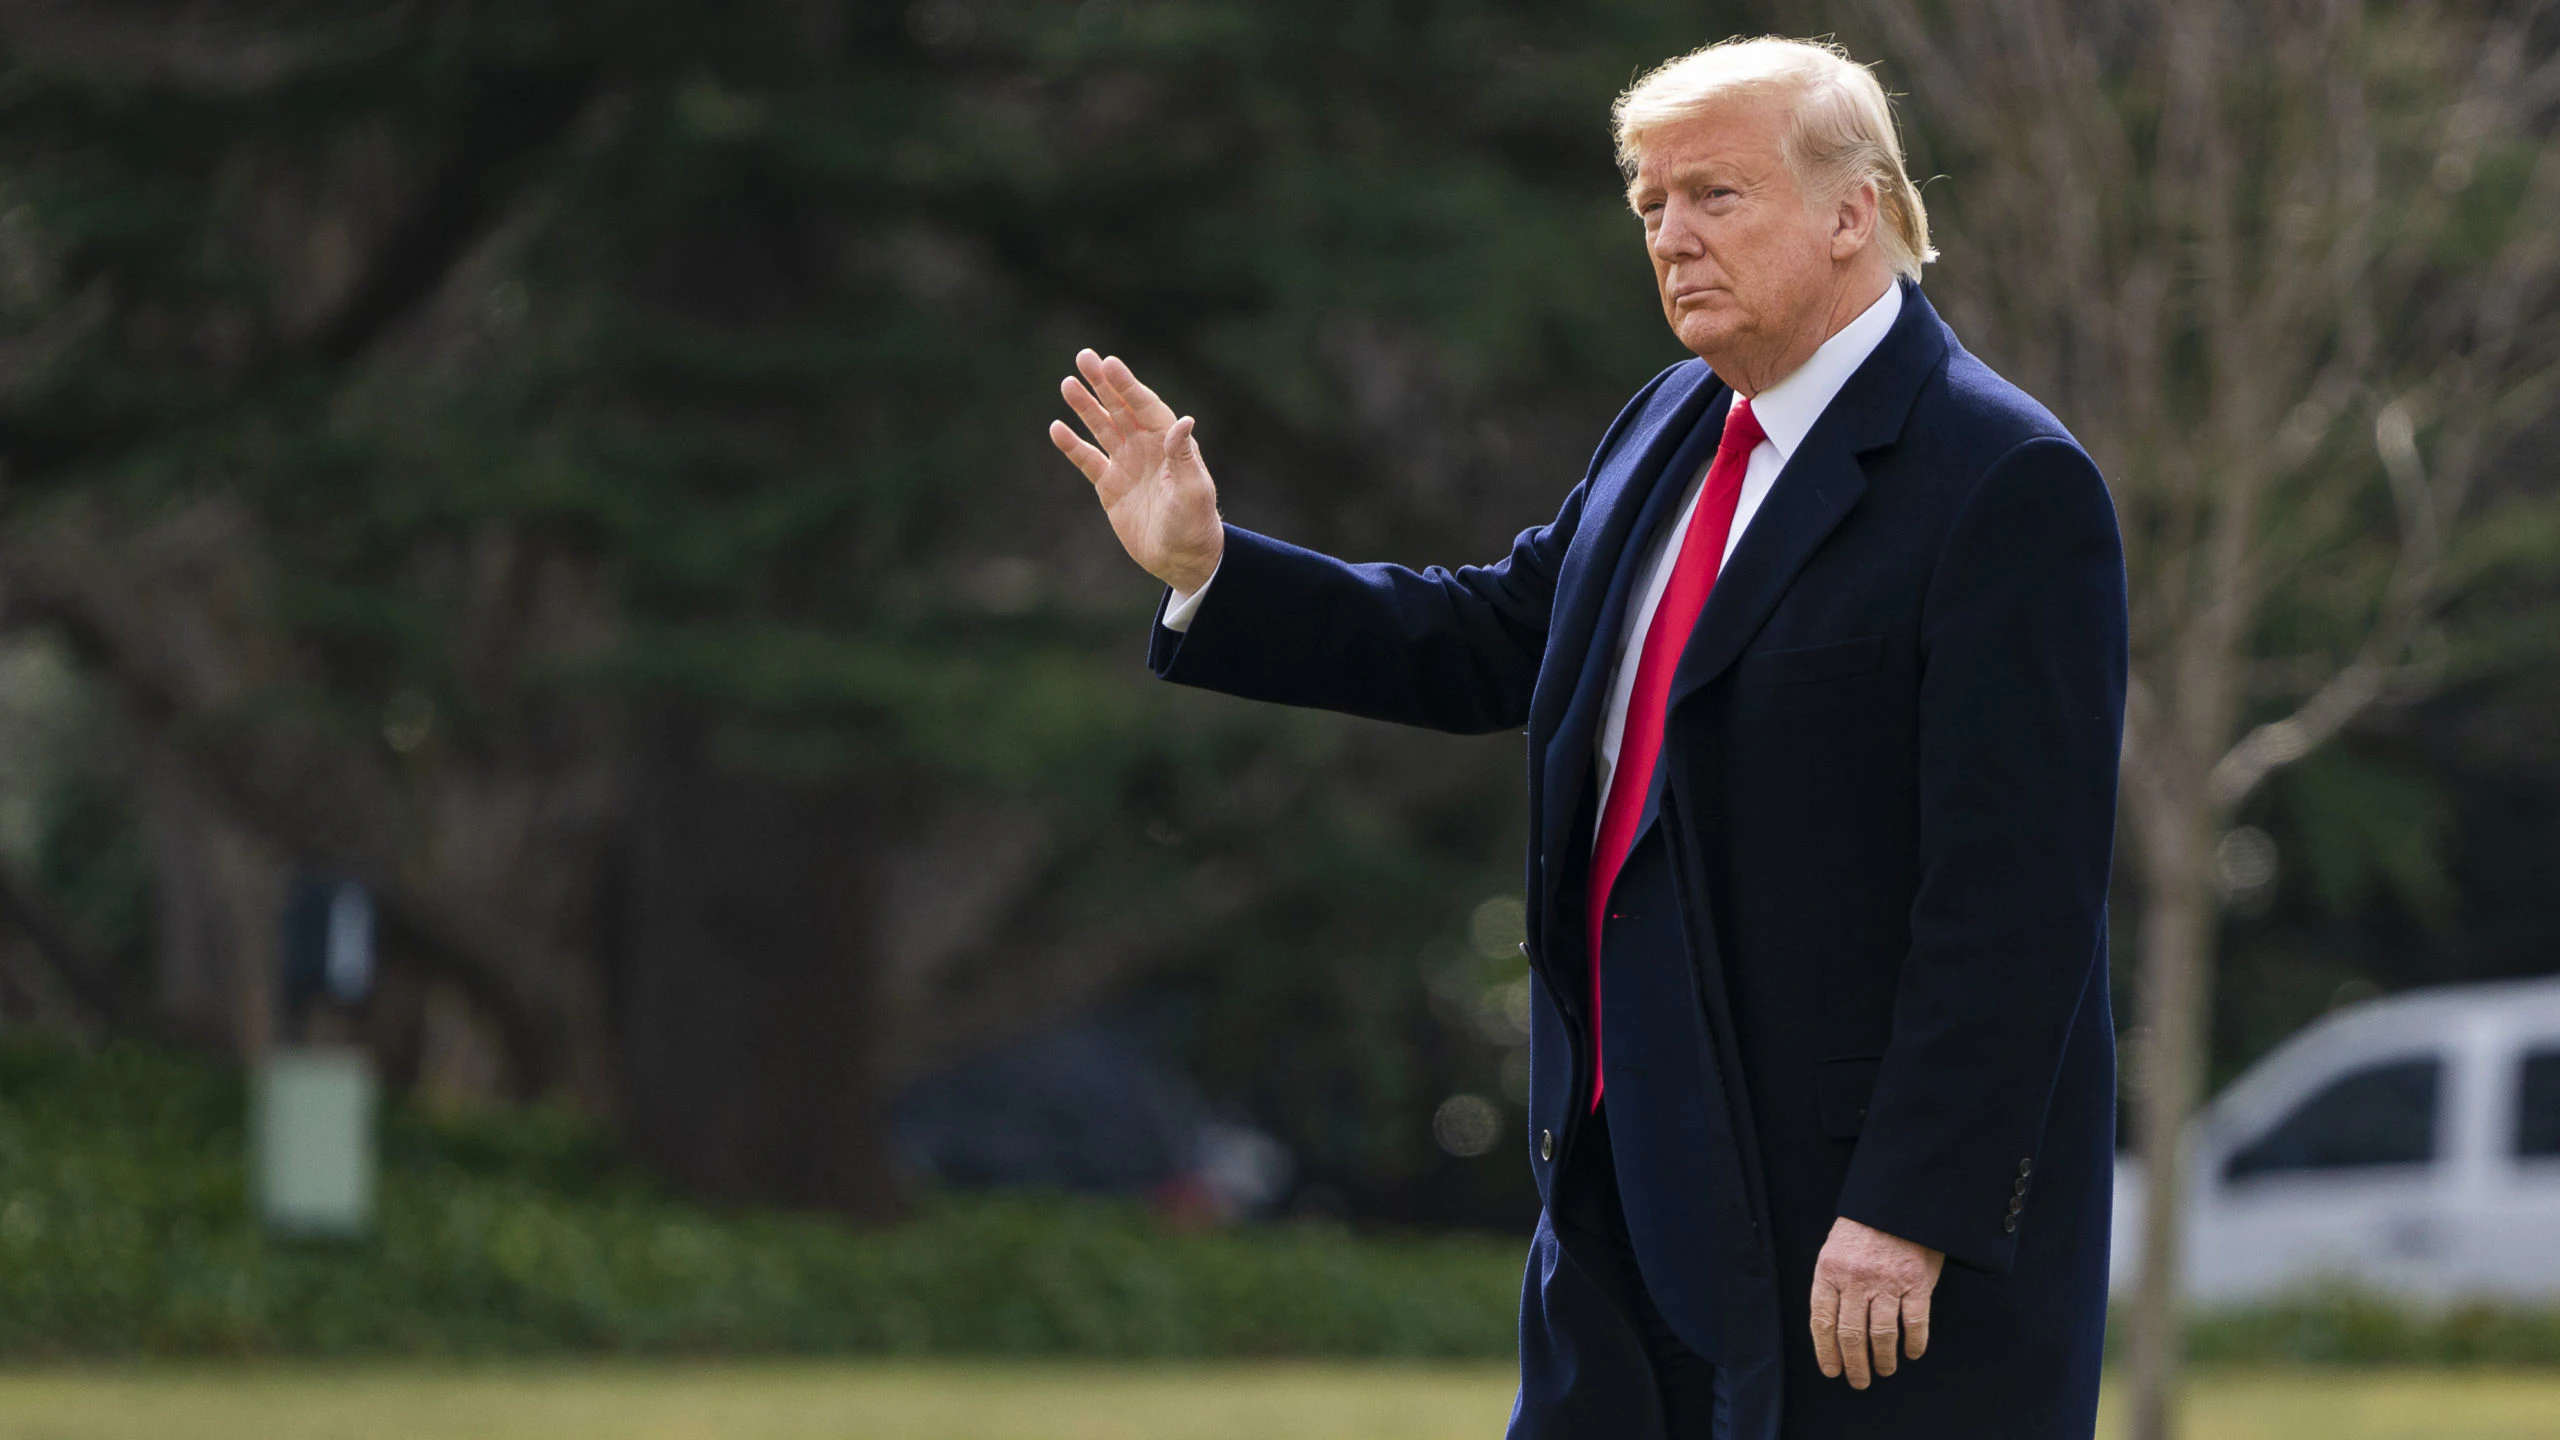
x=1454, y=650
x=2020, y=726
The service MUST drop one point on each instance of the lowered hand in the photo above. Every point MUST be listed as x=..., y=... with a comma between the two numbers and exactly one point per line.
x=1870, y=1293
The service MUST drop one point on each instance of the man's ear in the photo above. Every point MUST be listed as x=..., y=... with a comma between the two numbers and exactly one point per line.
x=1853, y=224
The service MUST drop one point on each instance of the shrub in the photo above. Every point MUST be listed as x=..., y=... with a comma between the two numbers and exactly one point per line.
x=125, y=1230
x=2345, y=1325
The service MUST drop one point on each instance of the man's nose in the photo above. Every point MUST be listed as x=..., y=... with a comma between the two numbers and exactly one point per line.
x=1675, y=238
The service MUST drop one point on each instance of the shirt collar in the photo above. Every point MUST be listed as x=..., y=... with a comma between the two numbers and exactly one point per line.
x=1788, y=409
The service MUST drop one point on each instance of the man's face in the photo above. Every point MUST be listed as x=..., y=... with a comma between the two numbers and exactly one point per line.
x=1743, y=263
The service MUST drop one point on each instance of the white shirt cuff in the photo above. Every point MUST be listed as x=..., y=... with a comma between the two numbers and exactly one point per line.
x=1177, y=616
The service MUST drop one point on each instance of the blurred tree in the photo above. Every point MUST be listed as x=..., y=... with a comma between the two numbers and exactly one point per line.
x=2288, y=271
x=2417, y=851
x=577, y=467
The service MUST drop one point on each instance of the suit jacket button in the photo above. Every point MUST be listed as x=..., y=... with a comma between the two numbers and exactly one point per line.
x=2026, y=1168
x=2009, y=1223
x=1546, y=1145
x=2020, y=1188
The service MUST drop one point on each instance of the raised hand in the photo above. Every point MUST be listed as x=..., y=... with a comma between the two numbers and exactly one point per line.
x=1146, y=470
x=1870, y=1297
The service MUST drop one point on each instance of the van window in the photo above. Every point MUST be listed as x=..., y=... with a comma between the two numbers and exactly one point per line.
x=2538, y=1103
x=2375, y=1116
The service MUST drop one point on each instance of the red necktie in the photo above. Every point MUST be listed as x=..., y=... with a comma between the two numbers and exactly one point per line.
x=1640, y=743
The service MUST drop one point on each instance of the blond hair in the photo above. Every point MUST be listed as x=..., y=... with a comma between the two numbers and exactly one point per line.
x=1841, y=136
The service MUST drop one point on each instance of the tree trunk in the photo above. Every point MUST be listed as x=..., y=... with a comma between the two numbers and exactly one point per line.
x=750, y=986
x=2179, y=906
x=218, y=893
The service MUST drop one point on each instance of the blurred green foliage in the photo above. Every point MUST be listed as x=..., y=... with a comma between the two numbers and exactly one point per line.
x=124, y=1229
x=89, y=857
x=742, y=321
x=733, y=329
x=2346, y=1326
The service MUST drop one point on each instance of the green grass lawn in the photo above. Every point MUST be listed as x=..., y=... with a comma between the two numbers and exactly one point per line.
x=1053, y=1401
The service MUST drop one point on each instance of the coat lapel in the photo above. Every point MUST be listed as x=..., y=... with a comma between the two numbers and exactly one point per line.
x=1630, y=502
x=1592, y=579
x=1812, y=493
x=1822, y=481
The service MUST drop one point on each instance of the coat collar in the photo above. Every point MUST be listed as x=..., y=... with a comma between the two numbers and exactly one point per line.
x=1788, y=410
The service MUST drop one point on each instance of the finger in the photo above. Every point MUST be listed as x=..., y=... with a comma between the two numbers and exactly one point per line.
x=1178, y=444
x=1915, y=1322
x=1089, y=410
x=1826, y=1320
x=1853, y=1337
x=1097, y=375
x=1152, y=412
x=1884, y=1332
x=1084, y=457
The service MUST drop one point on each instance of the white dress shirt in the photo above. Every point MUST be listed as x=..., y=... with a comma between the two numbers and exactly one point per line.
x=1787, y=412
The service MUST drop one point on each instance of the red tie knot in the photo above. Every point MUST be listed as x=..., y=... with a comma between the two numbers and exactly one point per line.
x=1742, y=432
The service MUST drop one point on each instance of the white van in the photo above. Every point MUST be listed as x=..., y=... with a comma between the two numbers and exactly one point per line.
x=2410, y=1144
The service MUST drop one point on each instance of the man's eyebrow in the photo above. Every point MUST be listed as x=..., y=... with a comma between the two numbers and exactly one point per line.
x=1695, y=172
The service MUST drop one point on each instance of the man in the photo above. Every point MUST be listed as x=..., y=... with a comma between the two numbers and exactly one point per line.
x=1822, y=669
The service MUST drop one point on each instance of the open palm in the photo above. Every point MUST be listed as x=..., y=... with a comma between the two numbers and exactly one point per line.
x=1146, y=469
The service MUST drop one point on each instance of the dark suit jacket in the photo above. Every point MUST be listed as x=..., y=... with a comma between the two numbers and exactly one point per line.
x=1886, y=811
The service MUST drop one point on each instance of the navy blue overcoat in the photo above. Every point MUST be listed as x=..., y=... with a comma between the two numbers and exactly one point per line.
x=1887, y=799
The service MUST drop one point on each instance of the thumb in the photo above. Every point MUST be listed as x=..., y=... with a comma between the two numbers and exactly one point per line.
x=1179, y=447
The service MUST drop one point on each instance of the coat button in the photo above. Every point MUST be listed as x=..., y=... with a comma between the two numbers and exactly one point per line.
x=2009, y=1224
x=2026, y=1168
x=2020, y=1188
x=1546, y=1145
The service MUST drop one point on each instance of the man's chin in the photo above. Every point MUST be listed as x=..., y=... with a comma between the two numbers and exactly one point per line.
x=1707, y=336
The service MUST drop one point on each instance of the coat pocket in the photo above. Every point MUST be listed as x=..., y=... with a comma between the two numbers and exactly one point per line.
x=1841, y=1089
x=1807, y=664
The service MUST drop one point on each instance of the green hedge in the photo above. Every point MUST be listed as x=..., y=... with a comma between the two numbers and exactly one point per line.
x=2345, y=1326
x=124, y=1230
